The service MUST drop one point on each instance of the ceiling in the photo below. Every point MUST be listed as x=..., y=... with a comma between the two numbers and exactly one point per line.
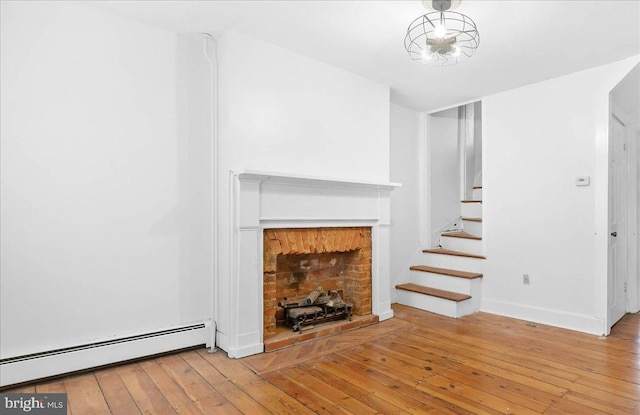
x=521, y=42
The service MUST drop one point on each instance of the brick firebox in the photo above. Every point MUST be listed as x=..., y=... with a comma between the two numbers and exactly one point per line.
x=297, y=260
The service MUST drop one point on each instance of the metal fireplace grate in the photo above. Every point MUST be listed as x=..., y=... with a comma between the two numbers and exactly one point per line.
x=318, y=307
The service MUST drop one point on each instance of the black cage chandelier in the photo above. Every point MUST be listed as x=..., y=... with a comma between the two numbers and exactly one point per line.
x=442, y=37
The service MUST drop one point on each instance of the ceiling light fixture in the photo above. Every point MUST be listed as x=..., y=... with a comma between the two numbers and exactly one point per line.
x=441, y=37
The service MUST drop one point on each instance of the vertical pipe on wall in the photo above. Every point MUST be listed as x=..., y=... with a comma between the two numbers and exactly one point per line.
x=213, y=61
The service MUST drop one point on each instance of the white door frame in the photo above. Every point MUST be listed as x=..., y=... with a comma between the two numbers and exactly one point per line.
x=633, y=154
x=425, y=172
x=629, y=241
x=617, y=275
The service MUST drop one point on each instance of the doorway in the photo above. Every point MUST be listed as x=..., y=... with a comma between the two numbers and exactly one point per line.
x=623, y=279
x=453, y=165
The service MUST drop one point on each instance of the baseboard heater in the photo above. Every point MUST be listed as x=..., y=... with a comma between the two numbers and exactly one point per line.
x=28, y=367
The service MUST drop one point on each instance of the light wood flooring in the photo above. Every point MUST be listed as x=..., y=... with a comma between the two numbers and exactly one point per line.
x=416, y=363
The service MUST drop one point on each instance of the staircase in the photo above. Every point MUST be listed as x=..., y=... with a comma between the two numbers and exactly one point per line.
x=449, y=280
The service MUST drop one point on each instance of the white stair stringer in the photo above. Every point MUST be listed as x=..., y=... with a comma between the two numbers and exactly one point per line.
x=438, y=305
x=455, y=224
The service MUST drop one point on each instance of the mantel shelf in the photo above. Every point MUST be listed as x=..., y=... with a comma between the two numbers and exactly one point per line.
x=300, y=179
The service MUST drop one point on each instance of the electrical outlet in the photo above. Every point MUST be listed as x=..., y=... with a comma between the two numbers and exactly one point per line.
x=525, y=279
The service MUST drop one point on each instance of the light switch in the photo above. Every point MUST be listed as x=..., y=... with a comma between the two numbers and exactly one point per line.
x=582, y=181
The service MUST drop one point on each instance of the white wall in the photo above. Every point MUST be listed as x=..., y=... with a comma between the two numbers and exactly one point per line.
x=443, y=170
x=537, y=139
x=283, y=112
x=404, y=146
x=105, y=169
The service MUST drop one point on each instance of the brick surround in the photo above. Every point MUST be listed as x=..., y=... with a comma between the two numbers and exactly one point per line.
x=296, y=260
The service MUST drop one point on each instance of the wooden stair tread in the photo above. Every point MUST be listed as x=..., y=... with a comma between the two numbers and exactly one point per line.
x=461, y=234
x=472, y=219
x=450, y=252
x=477, y=187
x=471, y=201
x=434, y=292
x=445, y=271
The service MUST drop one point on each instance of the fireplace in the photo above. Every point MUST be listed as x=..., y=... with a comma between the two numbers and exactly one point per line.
x=296, y=262
x=313, y=228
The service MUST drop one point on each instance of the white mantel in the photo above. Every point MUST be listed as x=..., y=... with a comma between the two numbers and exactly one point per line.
x=278, y=200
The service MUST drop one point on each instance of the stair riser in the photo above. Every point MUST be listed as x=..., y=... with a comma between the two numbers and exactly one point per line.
x=474, y=228
x=472, y=210
x=452, y=262
x=438, y=305
x=446, y=282
x=470, y=246
x=477, y=194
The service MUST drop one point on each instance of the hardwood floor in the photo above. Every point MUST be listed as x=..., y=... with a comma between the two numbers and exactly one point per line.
x=417, y=362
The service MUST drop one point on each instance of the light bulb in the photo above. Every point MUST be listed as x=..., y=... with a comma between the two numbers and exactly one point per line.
x=440, y=31
x=426, y=54
x=455, y=51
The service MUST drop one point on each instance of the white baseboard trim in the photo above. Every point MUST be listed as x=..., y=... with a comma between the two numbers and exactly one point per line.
x=222, y=341
x=385, y=315
x=556, y=318
x=238, y=352
x=41, y=365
